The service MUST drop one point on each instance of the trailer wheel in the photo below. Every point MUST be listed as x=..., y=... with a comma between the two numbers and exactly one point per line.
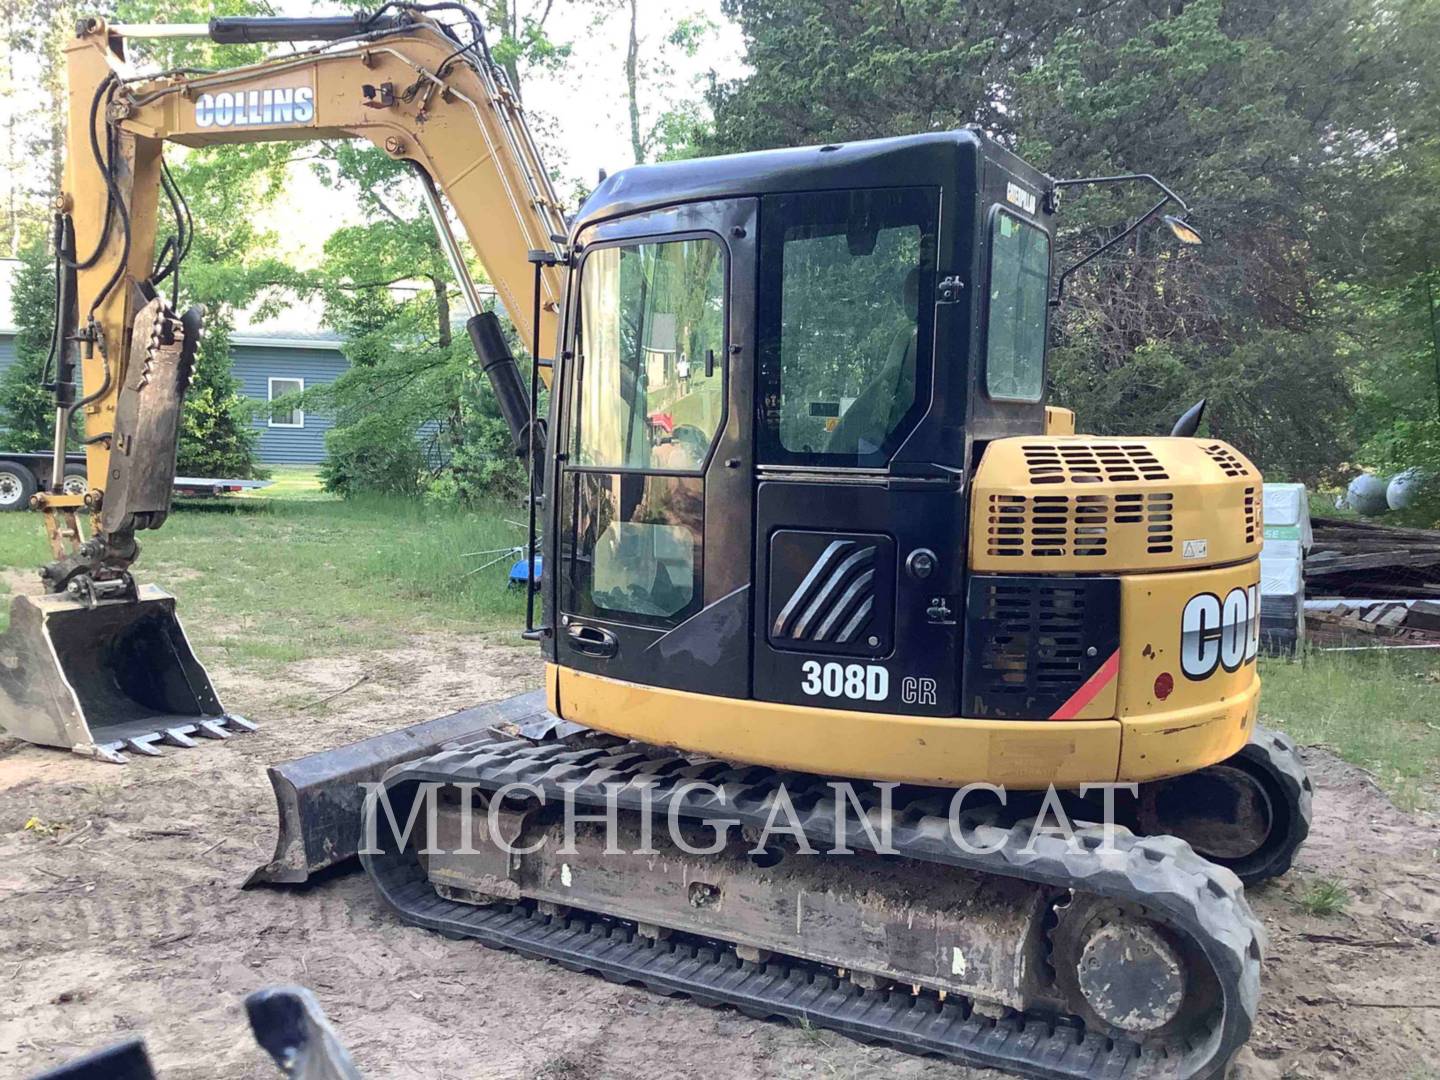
x=76, y=482
x=17, y=484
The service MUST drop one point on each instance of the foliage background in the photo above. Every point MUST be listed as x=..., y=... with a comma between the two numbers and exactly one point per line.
x=1304, y=133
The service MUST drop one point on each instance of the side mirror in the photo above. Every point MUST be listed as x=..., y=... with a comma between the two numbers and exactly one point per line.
x=1183, y=230
x=1189, y=422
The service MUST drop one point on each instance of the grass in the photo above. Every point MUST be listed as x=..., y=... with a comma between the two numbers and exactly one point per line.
x=1379, y=710
x=1324, y=897
x=299, y=574
x=290, y=482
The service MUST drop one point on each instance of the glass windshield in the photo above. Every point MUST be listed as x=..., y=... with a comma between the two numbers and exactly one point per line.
x=1019, y=297
x=846, y=301
x=651, y=347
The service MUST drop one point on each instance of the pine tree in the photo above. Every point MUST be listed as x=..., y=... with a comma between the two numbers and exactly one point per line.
x=216, y=436
x=27, y=413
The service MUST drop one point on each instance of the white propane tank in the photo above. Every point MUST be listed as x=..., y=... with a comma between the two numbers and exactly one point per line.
x=1366, y=495
x=1404, y=488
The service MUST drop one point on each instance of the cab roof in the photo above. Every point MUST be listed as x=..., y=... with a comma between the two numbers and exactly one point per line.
x=930, y=158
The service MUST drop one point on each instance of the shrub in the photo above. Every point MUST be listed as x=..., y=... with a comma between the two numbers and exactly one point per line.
x=373, y=454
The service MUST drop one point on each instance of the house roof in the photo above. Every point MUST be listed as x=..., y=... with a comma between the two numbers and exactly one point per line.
x=297, y=326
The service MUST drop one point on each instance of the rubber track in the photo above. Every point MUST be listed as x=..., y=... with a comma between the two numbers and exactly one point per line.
x=1162, y=874
x=1276, y=754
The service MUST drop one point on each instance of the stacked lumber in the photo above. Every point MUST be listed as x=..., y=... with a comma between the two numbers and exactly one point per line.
x=1375, y=622
x=1362, y=559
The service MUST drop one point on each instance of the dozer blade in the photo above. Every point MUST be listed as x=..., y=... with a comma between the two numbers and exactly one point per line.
x=106, y=680
x=320, y=799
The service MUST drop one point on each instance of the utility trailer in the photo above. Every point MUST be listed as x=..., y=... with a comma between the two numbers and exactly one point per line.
x=206, y=485
x=22, y=474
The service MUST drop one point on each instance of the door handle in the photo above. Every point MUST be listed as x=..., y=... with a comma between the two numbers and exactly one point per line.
x=592, y=640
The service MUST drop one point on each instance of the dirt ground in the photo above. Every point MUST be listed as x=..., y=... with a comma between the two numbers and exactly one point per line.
x=122, y=914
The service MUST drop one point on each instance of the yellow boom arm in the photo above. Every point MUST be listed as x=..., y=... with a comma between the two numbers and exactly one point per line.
x=411, y=92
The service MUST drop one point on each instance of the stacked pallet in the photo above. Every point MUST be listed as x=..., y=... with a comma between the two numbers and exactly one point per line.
x=1364, y=560
x=1374, y=622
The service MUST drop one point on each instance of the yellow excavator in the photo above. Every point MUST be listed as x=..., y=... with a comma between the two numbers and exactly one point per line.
x=804, y=519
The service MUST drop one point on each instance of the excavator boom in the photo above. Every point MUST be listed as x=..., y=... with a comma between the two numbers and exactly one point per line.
x=404, y=82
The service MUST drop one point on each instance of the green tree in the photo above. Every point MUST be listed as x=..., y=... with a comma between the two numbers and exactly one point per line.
x=27, y=413
x=216, y=436
x=413, y=410
x=1302, y=131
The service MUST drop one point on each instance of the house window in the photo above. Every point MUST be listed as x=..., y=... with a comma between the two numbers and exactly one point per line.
x=286, y=416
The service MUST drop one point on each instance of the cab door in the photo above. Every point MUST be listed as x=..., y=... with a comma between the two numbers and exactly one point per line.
x=654, y=505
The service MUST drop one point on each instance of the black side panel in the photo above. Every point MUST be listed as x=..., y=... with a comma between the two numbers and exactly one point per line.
x=707, y=653
x=1034, y=641
x=857, y=536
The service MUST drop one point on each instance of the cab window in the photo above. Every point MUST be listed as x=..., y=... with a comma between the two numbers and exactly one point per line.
x=846, y=307
x=651, y=345
x=1019, y=299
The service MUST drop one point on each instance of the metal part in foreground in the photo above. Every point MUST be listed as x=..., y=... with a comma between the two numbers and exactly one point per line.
x=291, y=1027
x=124, y=1061
x=288, y=1024
x=106, y=679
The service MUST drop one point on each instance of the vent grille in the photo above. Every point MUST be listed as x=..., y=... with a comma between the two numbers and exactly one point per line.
x=1252, y=516
x=1043, y=526
x=1036, y=641
x=1229, y=463
x=1091, y=463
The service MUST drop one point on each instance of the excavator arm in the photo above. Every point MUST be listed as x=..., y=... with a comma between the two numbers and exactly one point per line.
x=418, y=89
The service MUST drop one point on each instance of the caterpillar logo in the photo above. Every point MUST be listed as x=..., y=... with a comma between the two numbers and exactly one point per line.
x=250, y=108
x=1216, y=633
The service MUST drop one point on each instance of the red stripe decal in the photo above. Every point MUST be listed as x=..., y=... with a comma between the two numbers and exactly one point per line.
x=1090, y=689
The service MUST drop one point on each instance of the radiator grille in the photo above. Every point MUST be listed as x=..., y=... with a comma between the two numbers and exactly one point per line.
x=1083, y=525
x=1093, y=463
x=1034, y=642
x=1229, y=463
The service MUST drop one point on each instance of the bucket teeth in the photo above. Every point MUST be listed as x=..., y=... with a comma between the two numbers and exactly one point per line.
x=184, y=736
x=145, y=744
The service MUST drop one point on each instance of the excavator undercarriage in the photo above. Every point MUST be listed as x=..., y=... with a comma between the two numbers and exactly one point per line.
x=974, y=935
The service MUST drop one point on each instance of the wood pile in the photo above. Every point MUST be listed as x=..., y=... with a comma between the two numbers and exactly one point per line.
x=1364, y=560
x=1376, y=623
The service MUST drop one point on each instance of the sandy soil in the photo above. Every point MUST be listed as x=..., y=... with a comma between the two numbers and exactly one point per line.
x=128, y=917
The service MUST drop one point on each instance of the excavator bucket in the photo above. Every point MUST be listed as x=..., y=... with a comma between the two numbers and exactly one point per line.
x=106, y=679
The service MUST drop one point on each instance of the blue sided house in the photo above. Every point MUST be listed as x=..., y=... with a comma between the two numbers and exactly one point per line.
x=272, y=363
x=272, y=359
